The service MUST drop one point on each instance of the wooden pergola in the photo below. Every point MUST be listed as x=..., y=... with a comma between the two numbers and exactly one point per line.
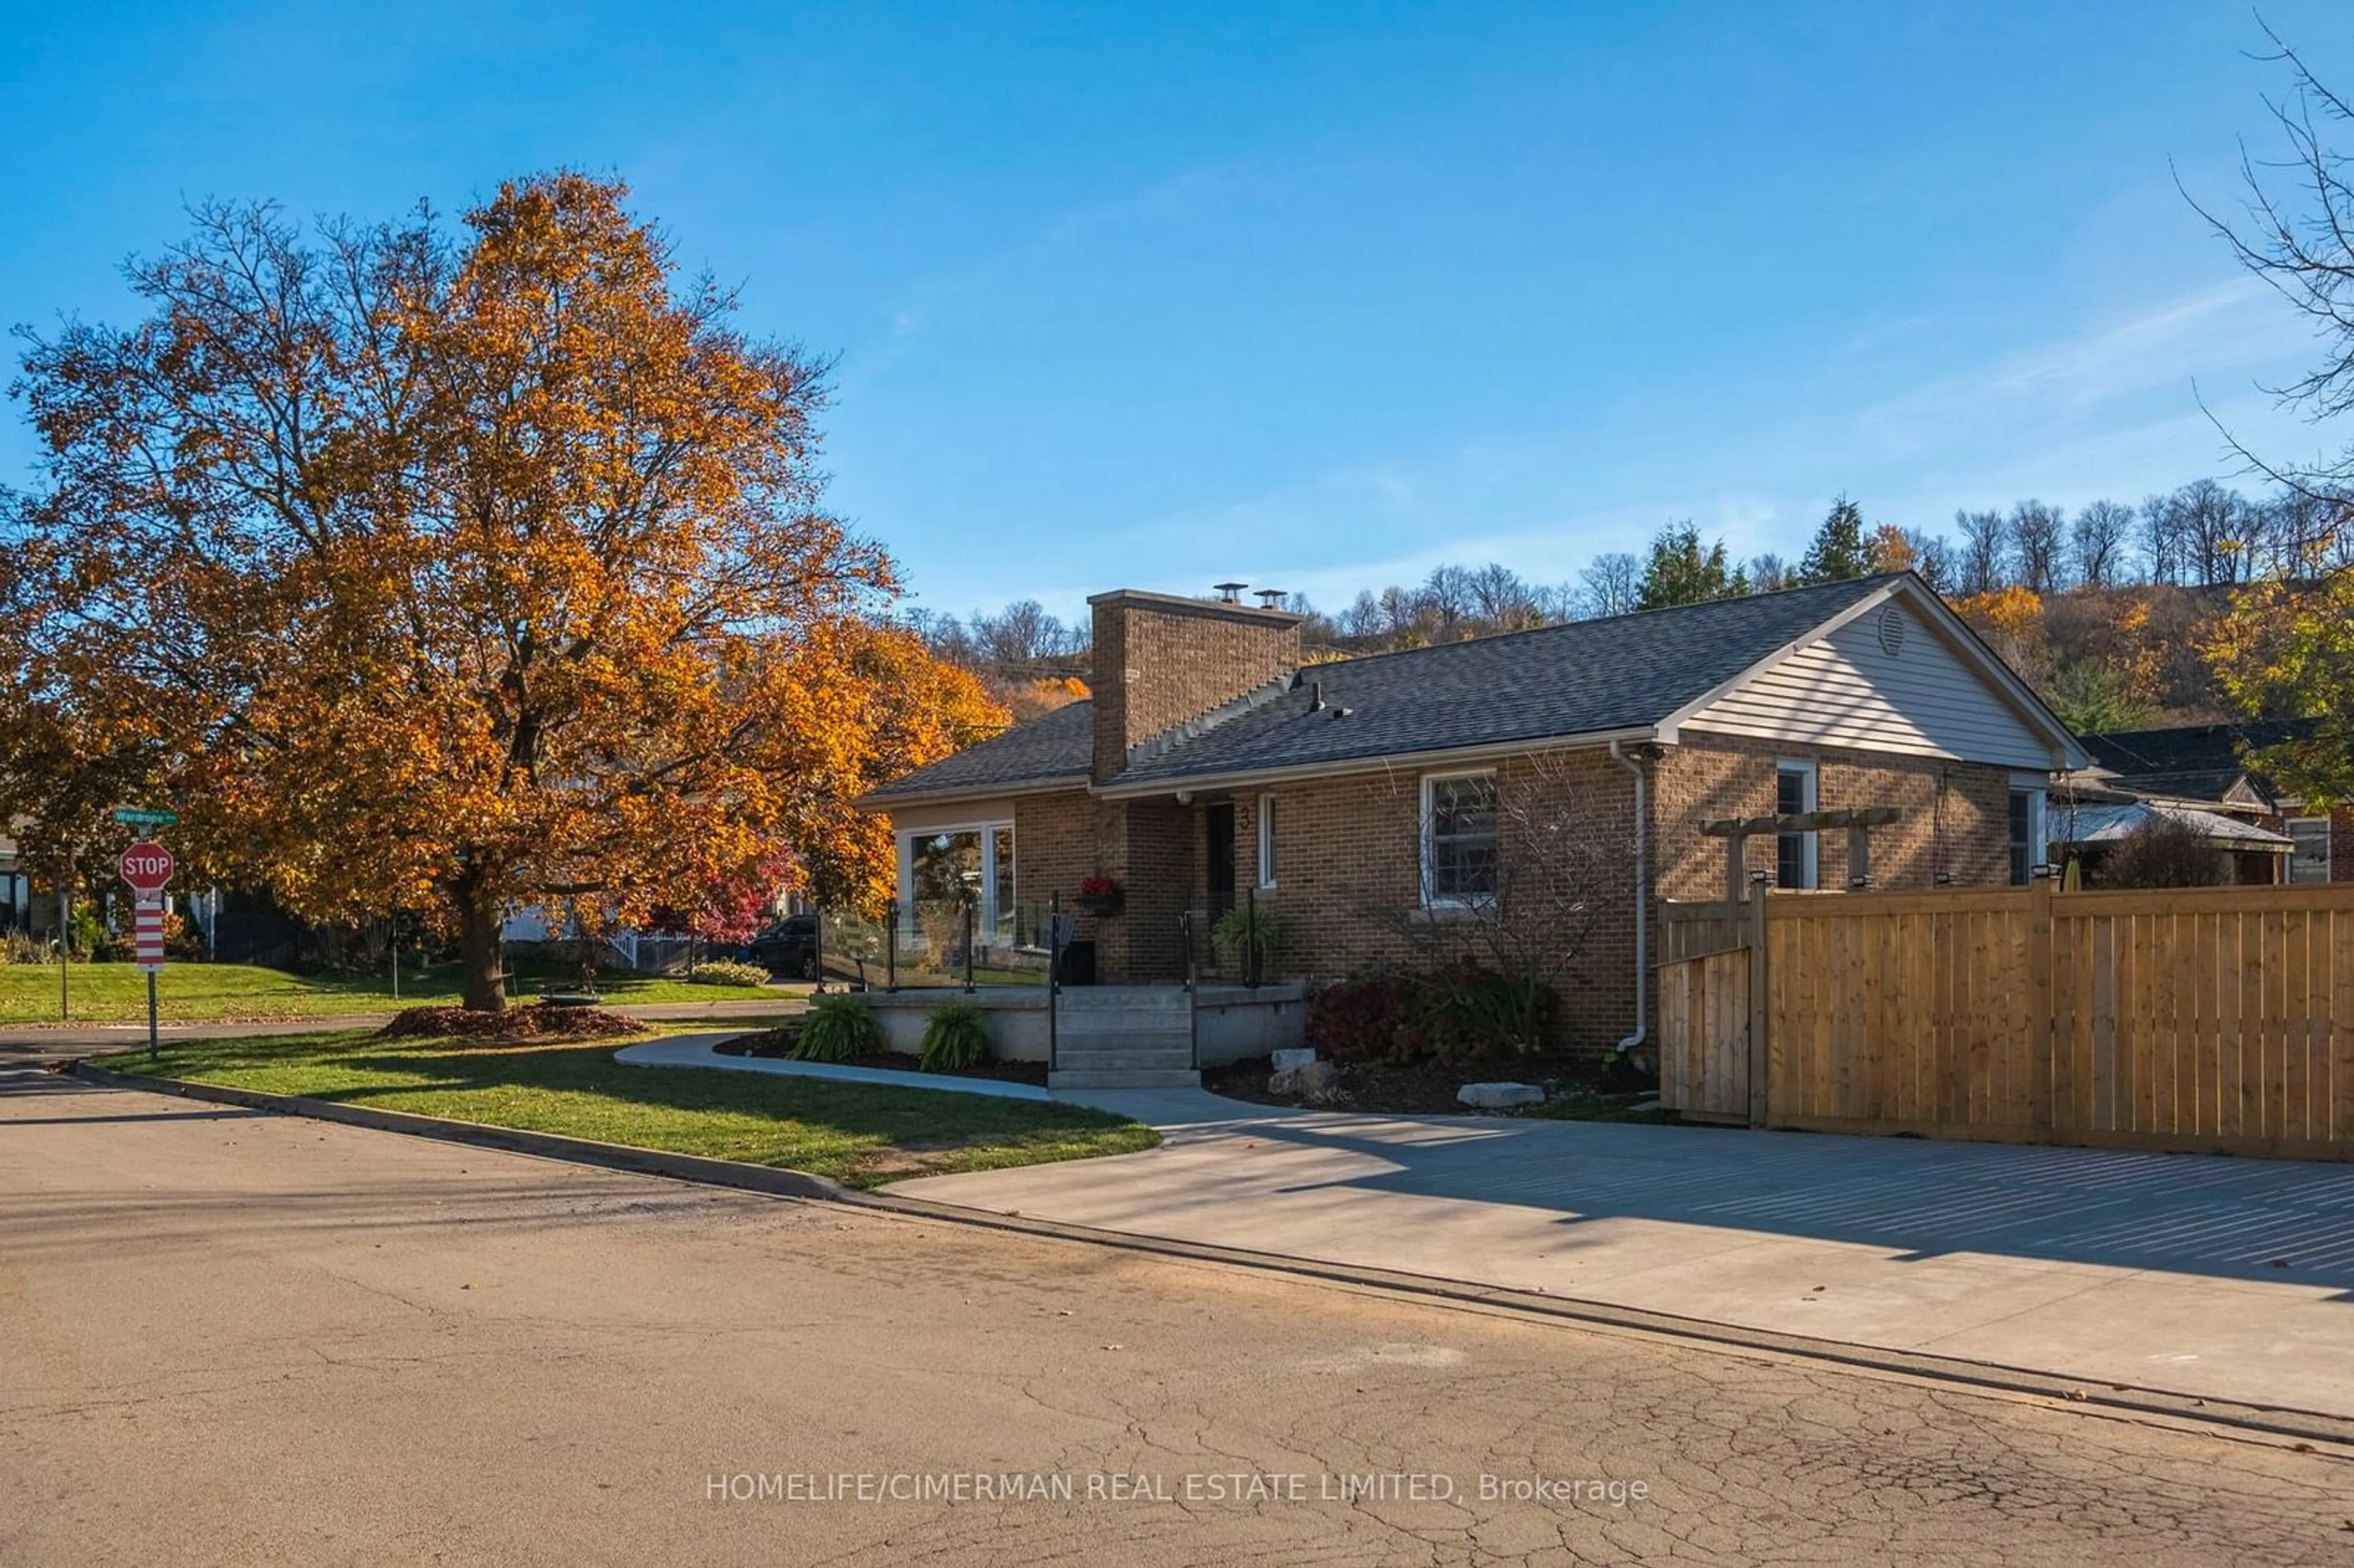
x=1859, y=821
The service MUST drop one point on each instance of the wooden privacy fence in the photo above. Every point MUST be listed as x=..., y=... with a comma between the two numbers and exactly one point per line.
x=2218, y=1019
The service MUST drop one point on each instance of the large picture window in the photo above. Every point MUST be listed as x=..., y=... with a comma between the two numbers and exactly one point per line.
x=943, y=871
x=1458, y=838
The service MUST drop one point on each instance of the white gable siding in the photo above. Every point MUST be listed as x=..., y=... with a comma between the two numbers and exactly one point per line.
x=1848, y=691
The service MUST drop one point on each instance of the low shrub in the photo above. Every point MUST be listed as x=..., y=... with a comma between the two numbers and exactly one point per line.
x=838, y=1027
x=1470, y=1013
x=954, y=1040
x=1460, y=1011
x=1369, y=1018
x=725, y=971
x=19, y=947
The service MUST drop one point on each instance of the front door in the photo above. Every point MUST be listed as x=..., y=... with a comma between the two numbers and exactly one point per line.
x=1220, y=821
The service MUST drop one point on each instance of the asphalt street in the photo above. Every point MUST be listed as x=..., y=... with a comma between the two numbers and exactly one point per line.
x=234, y=1337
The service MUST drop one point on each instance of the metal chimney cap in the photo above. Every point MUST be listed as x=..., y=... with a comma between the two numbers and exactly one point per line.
x=1268, y=599
x=1230, y=593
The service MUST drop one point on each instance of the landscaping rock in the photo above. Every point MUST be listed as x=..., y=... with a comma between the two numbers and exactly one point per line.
x=1294, y=1056
x=1308, y=1080
x=1499, y=1096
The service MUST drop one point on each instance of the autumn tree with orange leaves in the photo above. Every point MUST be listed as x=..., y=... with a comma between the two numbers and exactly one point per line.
x=458, y=569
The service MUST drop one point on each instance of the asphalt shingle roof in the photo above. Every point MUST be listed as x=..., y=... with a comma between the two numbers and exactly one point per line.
x=1576, y=679
x=1053, y=747
x=1580, y=678
x=2212, y=748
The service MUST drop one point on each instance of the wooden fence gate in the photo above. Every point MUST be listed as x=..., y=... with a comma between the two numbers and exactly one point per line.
x=2216, y=1018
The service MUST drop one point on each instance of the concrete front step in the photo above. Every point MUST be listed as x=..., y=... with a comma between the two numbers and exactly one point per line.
x=1125, y=1024
x=1153, y=1078
x=1093, y=1001
x=1079, y=1057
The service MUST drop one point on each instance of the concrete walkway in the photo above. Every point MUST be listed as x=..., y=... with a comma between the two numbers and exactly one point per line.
x=695, y=1051
x=2226, y=1278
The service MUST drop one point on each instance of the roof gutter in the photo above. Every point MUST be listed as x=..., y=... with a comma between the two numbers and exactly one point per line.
x=1642, y=1031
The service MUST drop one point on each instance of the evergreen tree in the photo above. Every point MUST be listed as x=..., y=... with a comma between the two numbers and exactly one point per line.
x=1840, y=551
x=1681, y=572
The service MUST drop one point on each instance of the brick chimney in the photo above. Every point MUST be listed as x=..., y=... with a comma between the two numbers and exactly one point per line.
x=1161, y=659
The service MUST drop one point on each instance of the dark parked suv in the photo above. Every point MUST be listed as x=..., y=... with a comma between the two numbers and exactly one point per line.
x=789, y=948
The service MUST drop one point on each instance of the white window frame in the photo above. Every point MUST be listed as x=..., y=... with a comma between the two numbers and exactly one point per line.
x=2328, y=828
x=1430, y=899
x=1265, y=825
x=1812, y=800
x=985, y=916
x=2037, y=787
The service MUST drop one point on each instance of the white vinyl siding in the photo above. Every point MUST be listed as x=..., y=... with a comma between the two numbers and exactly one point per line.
x=1849, y=690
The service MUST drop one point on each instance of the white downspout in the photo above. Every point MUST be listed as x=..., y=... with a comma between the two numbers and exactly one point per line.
x=1642, y=900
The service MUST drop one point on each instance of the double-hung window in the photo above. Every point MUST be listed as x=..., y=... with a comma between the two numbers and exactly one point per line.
x=1794, y=854
x=2308, y=856
x=1458, y=838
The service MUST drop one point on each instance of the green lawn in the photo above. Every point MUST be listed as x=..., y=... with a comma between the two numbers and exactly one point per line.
x=193, y=994
x=858, y=1134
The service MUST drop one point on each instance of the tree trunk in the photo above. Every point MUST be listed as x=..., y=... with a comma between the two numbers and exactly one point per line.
x=483, y=985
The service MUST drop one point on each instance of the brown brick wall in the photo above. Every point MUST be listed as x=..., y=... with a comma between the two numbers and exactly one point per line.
x=1349, y=870
x=1349, y=879
x=1957, y=815
x=1063, y=838
x=1160, y=661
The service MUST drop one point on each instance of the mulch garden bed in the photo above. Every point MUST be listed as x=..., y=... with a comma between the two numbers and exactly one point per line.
x=779, y=1043
x=537, y=1026
x=1574, y=1088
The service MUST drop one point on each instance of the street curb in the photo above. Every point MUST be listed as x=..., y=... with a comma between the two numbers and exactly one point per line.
x=772, y=1179
x=2091, y=1396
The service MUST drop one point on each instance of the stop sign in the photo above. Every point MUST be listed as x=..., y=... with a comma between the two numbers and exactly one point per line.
x=146, y=866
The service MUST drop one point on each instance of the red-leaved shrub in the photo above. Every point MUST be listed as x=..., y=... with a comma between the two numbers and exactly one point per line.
x=1372, y=1018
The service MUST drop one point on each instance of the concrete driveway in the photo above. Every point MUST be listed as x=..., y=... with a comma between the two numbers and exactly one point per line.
x=2216, y=1277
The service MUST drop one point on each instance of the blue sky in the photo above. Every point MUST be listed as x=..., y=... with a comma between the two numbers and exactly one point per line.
x=1312, y=295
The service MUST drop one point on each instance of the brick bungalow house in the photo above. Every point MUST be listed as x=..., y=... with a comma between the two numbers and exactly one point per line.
x=2201, y=767
x=1214, y=763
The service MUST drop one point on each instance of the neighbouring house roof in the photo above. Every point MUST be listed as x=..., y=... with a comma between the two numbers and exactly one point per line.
x=2194, y=762
x=2093, y=827
x=1056, y=748
x=1626, y=675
